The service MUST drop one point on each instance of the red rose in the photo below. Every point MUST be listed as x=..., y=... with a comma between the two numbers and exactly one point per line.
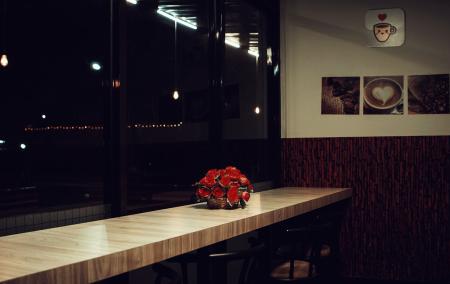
x=208, y=181
x=234, y=176
x=203, y=193
x=232, y=194
x=225, y=180
x=218, y=192
x=245, y=196
x=212, y=173
x=244, y=180
x=232, y=170
x=250, y=187
x=235, y=183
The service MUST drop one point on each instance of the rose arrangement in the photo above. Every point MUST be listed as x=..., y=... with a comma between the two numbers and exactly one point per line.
x=224, y=188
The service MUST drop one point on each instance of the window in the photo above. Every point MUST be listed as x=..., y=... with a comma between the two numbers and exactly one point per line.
x=53, y=93
x=177, y=130
x=129, y=103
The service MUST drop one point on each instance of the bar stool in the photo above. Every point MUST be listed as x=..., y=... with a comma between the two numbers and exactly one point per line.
x=253, y=261
x=165, y=274
x=308, y=257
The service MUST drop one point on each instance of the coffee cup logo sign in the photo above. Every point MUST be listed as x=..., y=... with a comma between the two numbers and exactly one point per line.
x=383, y=31
x=385, y=28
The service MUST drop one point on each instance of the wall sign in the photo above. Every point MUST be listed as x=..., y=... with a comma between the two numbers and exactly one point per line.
x=385, y=27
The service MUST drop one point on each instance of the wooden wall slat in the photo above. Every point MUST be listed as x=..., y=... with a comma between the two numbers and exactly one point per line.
x=398, y=224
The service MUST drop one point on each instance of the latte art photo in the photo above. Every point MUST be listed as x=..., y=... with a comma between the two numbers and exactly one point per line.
x=383, y=95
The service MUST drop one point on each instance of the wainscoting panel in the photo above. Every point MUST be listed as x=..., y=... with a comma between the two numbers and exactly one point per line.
x=398, y=225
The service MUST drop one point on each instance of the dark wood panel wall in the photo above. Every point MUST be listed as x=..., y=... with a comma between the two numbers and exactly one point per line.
x=397, y=227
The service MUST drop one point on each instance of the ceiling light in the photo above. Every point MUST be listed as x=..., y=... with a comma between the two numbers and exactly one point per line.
x=23, y=146
x=4, y=60
x=176, y=95
x=134, y=2
x=2, y=141
x=257, y=110
x=232, y=42
x=253, y=53
x=269, y=56
x=177, y=19
x=43, y=116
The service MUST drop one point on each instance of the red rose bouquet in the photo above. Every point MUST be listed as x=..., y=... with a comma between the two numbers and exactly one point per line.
x=224, y=188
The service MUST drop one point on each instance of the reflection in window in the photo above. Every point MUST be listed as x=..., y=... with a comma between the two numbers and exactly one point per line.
x=167, y=85
x=246, y=135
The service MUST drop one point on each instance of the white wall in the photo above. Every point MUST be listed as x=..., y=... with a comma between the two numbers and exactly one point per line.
x=325, y=38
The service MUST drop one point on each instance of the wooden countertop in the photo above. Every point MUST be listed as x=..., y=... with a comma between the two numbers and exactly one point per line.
x=97, y=250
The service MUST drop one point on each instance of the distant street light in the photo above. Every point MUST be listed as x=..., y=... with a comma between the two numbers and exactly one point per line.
x=96, y=66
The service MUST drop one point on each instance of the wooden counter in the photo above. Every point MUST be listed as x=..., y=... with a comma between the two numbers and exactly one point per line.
x=97, y=250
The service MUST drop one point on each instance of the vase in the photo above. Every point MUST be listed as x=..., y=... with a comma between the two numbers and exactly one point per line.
x=216, y=203
x=220, y=203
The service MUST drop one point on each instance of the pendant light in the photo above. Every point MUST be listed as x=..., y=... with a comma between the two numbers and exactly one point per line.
x=4, y=60
x=3, y=57
x=175, y=94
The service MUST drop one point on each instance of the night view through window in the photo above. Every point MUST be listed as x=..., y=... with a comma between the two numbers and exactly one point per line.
x=53, y=95
x=83, y=115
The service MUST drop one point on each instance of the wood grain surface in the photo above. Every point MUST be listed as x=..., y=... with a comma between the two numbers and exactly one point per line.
x=93, y=251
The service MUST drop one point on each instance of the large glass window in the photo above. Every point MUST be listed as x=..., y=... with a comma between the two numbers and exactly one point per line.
x=245, y=128
x=171, y=109
x=128, y=103
x=53, y=89
x=168, y=105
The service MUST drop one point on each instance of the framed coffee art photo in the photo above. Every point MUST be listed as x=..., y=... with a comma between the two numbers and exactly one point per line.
x=383, y=95
x=385, y=27
x=340, y=95
x=428, y=94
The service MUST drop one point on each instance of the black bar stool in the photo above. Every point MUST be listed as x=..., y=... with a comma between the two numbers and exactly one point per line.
x=308, y=256
x=165, y=274
x=253, y=262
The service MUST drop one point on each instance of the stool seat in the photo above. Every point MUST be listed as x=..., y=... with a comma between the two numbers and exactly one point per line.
x=301, y=270
x=325, y=251
x=286, y=250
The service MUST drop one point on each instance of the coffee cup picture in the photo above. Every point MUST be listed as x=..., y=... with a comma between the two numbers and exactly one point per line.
x=383, y=31
x=385, y=27
x=383, y=95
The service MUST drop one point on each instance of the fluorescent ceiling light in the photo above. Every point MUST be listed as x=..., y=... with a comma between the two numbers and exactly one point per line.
x=232, y=42
x=253, y=53
x=178, y=20
x=2, y=141
x=134, y=2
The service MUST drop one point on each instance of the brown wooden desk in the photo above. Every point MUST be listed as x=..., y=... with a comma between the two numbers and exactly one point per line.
x=97, y=250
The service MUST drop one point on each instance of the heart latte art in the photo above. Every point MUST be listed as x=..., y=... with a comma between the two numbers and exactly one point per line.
x=383, y=94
